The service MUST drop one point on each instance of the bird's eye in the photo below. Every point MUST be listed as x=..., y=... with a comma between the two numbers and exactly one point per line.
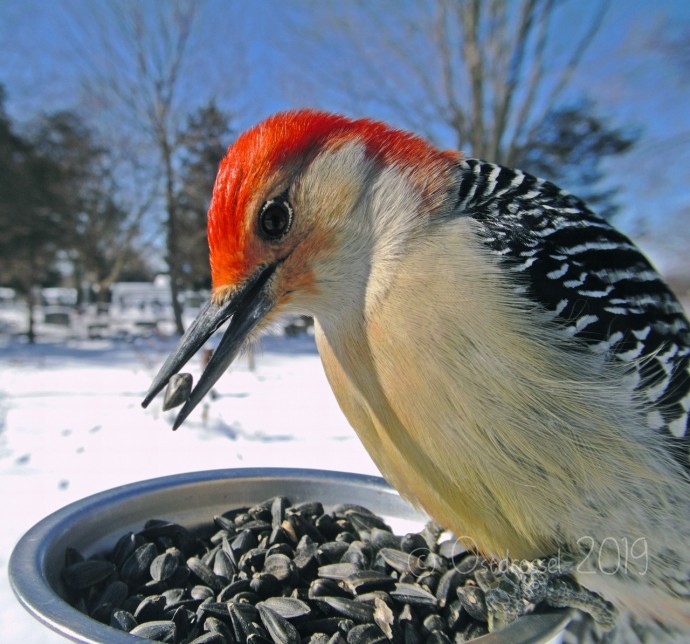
x=275, y=218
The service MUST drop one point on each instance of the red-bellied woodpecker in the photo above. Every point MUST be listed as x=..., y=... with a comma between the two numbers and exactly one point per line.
x=511, y=362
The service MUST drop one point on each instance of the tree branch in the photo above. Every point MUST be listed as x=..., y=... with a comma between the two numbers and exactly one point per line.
x=535, y=80
x=565, y=76
x=505, y=90
x=469, y=16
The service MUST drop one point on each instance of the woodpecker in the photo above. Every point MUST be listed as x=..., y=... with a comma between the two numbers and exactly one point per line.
x=512, y=363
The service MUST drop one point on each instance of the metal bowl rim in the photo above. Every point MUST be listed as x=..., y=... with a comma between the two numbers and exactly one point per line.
x=27, y=570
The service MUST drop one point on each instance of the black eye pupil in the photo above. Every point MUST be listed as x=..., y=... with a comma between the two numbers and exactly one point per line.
x=275, y=219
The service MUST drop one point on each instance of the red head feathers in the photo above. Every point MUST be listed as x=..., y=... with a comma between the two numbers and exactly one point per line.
x=290, y=139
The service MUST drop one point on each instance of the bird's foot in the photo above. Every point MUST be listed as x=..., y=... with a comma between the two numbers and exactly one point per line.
x=565, y=592
x=515, y=589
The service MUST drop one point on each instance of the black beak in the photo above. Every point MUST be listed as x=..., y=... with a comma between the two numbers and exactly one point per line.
x=247, y=307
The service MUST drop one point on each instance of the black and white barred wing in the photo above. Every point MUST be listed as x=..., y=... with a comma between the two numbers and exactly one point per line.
x=594, y=281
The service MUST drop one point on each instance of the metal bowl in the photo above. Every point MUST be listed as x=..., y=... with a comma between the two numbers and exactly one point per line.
x=94, y=524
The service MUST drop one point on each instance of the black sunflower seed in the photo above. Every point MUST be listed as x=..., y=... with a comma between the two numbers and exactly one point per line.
x=365, y=581
x=223, y=566
x=279, y=628
x=125, y=546
x=150, y=609
x=273, y=572
x=366, y=634
x=278, y=506
x=178, y=390
x=281, y=567
x=265, y=585
x=72, y=556
x=447, y=586
x=287, y=607
x=85, y=574
x=202, y=592
x=114, y=594
x=324, y=587
x=160, y=631
x=337, y=571
x=136, y=566
x=215, y=625
x=330, y=552
x=163, y=566
x=204, y=573
x=473, y=601
x=123, y=620
x=357, y=611
x=233, y=589
x=414, y=595
x=402, y=561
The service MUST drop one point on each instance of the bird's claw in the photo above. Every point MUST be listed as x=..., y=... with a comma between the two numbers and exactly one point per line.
x=565, y=592
x=522, y=584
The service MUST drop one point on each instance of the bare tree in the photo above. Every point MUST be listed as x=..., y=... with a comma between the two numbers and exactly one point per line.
x=503, y=47
x=148, y=93
x=144, y=77
x=481, y=75
x=107, y=240
x=488, y=71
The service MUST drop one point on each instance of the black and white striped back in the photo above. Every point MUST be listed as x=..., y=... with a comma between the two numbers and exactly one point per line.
x=594, y=281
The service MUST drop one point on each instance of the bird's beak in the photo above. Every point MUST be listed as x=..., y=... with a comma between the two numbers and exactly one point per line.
x=246, y=308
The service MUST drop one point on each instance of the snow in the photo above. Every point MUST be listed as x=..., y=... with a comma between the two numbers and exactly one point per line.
x=71, y=425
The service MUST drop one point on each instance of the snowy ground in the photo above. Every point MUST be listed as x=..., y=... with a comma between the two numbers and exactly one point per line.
x=71, y=425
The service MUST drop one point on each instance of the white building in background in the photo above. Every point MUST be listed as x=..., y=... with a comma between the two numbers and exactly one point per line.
x=147, y=297
x=7, y=295
x=59, y=296
x=138, y=308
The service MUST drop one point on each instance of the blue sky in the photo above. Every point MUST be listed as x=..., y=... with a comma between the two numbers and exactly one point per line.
x=632, y=82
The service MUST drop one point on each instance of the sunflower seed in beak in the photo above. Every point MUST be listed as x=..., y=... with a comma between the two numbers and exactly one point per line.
x=178, y=390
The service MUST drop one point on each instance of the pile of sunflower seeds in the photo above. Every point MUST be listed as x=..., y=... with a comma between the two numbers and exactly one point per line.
x=277, y=572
